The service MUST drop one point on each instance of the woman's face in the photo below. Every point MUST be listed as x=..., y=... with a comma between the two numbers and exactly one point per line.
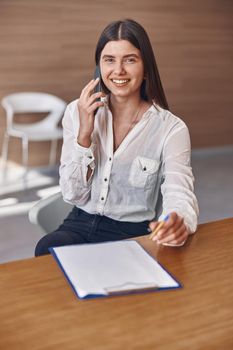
x=122, y=68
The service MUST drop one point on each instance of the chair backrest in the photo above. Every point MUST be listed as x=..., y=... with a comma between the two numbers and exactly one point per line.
x=34, y=102
x=49, y=212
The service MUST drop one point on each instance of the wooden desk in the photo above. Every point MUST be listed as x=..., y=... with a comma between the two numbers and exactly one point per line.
x=40, y=311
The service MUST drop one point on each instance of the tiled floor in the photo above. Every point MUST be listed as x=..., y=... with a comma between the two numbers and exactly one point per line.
x=213, y=170
x=18, y=236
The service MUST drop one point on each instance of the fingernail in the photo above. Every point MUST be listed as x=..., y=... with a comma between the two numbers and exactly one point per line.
x=149, y=229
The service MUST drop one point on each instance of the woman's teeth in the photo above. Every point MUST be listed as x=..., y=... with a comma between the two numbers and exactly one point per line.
x=120, y=81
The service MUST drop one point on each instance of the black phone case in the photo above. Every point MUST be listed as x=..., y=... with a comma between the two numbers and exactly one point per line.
x=98, y=86
x=97, y=75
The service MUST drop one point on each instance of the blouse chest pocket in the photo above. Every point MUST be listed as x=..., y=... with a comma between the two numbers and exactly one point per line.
x=143, y=172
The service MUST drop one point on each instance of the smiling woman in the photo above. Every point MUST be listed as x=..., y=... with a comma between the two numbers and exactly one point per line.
x=122, y=148
x=122, y=69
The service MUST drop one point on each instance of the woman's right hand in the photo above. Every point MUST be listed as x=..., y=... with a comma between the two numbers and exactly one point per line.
x=87, y=104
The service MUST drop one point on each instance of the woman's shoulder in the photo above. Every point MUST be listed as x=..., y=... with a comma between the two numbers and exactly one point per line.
x=72, y=105
x=167, y=117
x=70, y=117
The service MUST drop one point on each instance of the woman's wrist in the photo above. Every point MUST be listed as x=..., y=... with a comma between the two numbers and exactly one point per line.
x=84, y=140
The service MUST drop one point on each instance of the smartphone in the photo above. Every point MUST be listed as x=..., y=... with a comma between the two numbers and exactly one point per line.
x=97, y=74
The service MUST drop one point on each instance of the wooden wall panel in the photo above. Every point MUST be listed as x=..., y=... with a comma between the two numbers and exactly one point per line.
x=49, y=46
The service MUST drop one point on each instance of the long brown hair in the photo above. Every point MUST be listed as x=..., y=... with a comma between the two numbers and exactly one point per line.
x=128, y=29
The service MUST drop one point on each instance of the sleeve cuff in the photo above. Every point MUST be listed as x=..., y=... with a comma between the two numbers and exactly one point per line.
x=84, y=155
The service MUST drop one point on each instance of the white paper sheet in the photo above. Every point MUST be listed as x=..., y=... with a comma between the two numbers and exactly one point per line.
x=100, y=269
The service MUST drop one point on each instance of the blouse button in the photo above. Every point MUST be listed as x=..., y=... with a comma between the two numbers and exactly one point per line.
x=102, y=198
x=144, y=168
x=110, y=159
x=105, y=179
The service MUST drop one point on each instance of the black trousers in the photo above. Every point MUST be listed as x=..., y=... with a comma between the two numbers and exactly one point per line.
x=80, y=227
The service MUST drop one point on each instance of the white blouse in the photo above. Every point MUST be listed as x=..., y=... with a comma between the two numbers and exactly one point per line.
x=125, y=184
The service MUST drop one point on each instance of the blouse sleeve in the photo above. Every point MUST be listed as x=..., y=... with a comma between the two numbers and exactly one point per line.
x=75, y=161
x=178, y=182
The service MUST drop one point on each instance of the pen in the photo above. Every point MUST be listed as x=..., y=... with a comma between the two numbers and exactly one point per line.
x=156, y=230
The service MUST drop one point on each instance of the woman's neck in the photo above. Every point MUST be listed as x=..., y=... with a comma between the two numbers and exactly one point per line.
x=122, y=107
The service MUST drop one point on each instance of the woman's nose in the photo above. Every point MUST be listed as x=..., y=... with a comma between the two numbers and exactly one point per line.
x=119, y=68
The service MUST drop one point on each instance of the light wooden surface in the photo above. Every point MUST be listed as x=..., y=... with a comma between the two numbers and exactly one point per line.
x=49, y=46
x=40, y=311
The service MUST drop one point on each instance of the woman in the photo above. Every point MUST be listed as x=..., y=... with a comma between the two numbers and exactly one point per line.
x=122, y=148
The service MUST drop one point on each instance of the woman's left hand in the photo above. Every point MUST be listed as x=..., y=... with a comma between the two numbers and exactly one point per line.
x=173, y=232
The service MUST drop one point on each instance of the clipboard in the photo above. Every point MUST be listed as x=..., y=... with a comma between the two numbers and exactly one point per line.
x=111, y=268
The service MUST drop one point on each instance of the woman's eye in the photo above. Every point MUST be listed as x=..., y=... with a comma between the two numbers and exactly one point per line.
x=130, y=60
x=109, y=60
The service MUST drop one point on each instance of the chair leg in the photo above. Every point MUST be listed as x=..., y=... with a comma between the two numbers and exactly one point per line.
x=53, y=153
x=5, y=152
x=25, y=159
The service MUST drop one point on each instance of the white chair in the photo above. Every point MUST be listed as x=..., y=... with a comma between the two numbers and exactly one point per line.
x=49, y=212
x=44, y=130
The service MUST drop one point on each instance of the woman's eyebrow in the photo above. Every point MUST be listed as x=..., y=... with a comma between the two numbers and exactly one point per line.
x=125, y=56
x=131, y=55
x=108, y=56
